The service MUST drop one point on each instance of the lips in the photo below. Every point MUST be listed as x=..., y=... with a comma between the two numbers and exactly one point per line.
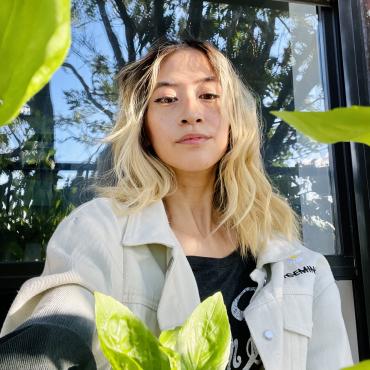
x=193, y=138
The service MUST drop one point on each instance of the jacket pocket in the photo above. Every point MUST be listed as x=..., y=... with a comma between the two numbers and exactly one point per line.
x=297, y=323
x=297, y=311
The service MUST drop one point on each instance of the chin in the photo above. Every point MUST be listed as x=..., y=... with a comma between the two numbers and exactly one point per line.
x=192, y=163
x=194, y=167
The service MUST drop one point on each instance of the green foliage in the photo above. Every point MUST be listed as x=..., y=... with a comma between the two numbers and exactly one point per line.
x=203, y=342
x=125, y=340
x=34, y=40
x=204, y=339
x=339, y=124
x=30, y=210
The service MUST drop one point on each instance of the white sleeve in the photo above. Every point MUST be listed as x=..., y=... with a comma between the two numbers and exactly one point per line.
x=328, y=347
x=79, y=261
x=59, y=334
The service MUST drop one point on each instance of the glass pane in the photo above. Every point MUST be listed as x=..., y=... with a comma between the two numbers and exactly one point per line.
x=366, y=30
x=49, y=155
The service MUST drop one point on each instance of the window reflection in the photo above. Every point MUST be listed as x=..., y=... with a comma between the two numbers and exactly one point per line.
x=48, y=156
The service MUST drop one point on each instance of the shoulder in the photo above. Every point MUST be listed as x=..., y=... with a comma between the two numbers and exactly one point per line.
x=310, y=255
x=315, y=258
x=99, y=210
x=309, y=263
x=96, y=219
x=98, y=207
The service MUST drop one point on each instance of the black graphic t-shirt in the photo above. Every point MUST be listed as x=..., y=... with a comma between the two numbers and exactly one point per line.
x=230, y=275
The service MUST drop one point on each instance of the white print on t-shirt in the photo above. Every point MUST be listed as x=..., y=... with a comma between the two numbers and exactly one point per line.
x=235, y=310
x=236, y=360
x=252, y=354
x=233, y=357
x=251, y=348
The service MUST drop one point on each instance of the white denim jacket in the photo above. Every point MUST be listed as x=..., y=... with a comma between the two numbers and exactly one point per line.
x=294, y=317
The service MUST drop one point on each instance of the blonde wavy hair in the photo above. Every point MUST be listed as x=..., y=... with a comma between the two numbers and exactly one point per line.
x=243, y=195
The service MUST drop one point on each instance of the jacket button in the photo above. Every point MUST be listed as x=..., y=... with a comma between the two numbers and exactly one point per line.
x=268, y=334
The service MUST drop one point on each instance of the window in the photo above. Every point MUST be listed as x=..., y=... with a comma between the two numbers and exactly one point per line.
x=50, y=153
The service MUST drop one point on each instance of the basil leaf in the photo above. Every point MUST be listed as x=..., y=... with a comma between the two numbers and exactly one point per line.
x=126, y=342
x=35, y=36
x=363, y=365
x=204, y=340
x=336, y=125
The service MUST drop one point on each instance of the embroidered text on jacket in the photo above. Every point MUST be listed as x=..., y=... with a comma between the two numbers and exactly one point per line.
x=303, y=270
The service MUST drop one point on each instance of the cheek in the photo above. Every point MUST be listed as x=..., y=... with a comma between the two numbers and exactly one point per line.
x=152, y=127
x=158, y=131
x=222, y=129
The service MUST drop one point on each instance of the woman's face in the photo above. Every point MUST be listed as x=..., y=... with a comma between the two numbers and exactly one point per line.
x=186, y=101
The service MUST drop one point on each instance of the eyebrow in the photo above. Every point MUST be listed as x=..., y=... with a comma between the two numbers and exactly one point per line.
x=200, y=80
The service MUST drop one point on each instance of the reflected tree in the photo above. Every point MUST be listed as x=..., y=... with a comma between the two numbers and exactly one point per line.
x=30, y=207
x=258, y=41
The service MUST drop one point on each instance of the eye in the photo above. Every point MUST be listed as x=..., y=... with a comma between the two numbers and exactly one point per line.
x=209, y=96
x=166, y=99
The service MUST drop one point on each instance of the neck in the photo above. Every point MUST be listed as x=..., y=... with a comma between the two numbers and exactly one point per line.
x=190, y=208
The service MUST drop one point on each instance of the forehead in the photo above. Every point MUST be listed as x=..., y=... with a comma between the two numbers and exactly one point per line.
x=185, y=62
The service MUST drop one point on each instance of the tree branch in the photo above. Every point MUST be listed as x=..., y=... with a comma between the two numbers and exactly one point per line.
x=274, y=145
x=129, y=28
x=159, y=26
x=120, y=62
x=14, y=135
x=87, y=91
x=195, y=17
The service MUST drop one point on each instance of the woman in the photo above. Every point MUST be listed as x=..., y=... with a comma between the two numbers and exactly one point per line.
x=191, y=212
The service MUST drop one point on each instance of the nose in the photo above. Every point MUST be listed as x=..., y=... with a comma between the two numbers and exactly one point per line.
x=191, y=113
x=191, y=120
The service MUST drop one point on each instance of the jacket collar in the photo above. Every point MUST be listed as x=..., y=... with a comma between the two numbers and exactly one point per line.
x=148, y=226
x=151, y=226
x=277, y=249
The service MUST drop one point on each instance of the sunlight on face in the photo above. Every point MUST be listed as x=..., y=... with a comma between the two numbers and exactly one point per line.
x=186, y=101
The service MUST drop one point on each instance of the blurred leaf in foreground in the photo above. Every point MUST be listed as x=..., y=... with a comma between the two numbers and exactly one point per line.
x=35, y=36
x=363, y=365
x=336, y=125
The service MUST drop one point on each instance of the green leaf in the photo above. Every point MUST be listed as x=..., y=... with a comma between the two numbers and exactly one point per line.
x=126, y=342
x=35, y=36
x=339, y=124
x=175, y=359
x=168, y=338
x=363, y=365
x=204, y=339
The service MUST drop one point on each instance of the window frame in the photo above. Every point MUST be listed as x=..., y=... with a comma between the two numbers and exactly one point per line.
x=345, y=83
x=345, y=73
